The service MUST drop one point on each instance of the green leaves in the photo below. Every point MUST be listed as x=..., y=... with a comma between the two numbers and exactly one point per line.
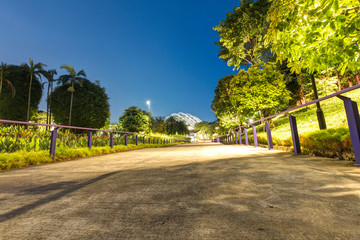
x=315, y=35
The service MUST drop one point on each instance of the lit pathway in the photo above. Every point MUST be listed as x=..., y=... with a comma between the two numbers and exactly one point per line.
x=185, y=192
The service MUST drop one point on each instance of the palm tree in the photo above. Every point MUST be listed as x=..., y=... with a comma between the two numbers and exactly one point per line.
x=49, y=75
x=72, y=78
x=33, y=71
x=3, y=77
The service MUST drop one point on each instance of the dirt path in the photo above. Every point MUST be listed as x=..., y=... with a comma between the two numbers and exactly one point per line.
x=205, y=191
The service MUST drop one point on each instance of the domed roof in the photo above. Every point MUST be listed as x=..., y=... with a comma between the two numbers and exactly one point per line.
x=189, y=119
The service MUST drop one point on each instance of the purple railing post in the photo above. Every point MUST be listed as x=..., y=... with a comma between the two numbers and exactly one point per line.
x=53, y=143
x=246, y=136
x=153, y=140
x=239, y=132
x=353, y=118
x=89, y=140
x=268, y=133
x=149, y=140
x=144, y=140
x=295, y=135
x=157, y=141
x=125, y=138
x=218, y=140
x=255, y=137
x=236, y=138
x=136, y=140
x=111, y=140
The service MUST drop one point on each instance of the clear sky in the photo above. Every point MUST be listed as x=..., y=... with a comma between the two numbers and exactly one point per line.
x=158, y=50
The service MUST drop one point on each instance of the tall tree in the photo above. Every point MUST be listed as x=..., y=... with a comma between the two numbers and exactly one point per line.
x=222, y=107
x=4, y=72
x=72, y=78
x=158, y=125
x=33, y=70
x=175, y=126
x=262, y=88
x=90, y=106
x=134, y=119
x=16, y=108
x=242, y=34
x=49, y=75
x=315, y=35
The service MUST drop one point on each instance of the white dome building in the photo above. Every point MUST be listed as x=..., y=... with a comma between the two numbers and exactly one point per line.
x=189, y=119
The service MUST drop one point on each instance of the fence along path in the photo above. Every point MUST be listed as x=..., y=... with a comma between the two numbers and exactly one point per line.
x=155, y=140
x=352, y=115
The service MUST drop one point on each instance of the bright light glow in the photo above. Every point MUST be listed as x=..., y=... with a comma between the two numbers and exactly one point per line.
x=251, y=120
x=148, y=102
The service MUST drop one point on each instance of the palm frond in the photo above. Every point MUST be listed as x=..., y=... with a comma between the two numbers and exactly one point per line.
x=81, y=73
x=64, y=79
x=13, y=91
x=69, y=68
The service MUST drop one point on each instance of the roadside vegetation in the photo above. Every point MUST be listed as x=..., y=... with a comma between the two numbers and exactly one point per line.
x=29, y=158
x=284, y=55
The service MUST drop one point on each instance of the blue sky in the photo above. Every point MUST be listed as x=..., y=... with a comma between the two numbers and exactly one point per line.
x=139, y=50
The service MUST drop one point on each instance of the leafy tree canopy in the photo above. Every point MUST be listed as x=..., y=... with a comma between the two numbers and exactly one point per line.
x=174, y=126
x=134, y=119
x=90, y=105
x=315, y=34
x=261, y=88
x=158, y=125
x=221, y=104
x=242, y=33
x=16, y=108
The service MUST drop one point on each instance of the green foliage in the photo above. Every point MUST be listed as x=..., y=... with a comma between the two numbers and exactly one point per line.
x=242, y=34
x=206, y=130
x=90, y=105
x=158, y=125
x=260, y=88
x=315, y=35
x=221, y=104
x=33, y=70
x=134, y=119
x=174, y=126
x=72, y=78
x=24, y=159
x=4, y=78
x=16, y=108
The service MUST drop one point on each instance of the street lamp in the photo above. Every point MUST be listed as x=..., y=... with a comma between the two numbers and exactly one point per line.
x=148, y=103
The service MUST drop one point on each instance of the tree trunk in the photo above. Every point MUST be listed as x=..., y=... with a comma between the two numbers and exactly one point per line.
x=71, y=102
x=357, y=78
x=50, y=103
x=47, y=105
x=1, y=81
x=29, y=97
x=338, y=81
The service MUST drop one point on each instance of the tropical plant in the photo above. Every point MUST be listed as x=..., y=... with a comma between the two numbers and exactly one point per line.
x=72, y=78
x=315, y=35
x=134, y=119
x=174, y=126
x=49, y=75
x=15, y=108
x=242, y=34
x=33, y=70
x=90, y=106
x=4, y=78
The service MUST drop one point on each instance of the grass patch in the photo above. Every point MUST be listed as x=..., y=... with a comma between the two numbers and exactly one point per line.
x=335, y=141
x=24, y=159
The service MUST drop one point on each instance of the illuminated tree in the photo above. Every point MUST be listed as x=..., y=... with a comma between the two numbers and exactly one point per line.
x=315, y=34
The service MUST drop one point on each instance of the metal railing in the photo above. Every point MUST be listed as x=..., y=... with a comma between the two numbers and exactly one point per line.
x=137, y=137
x=352, y=114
